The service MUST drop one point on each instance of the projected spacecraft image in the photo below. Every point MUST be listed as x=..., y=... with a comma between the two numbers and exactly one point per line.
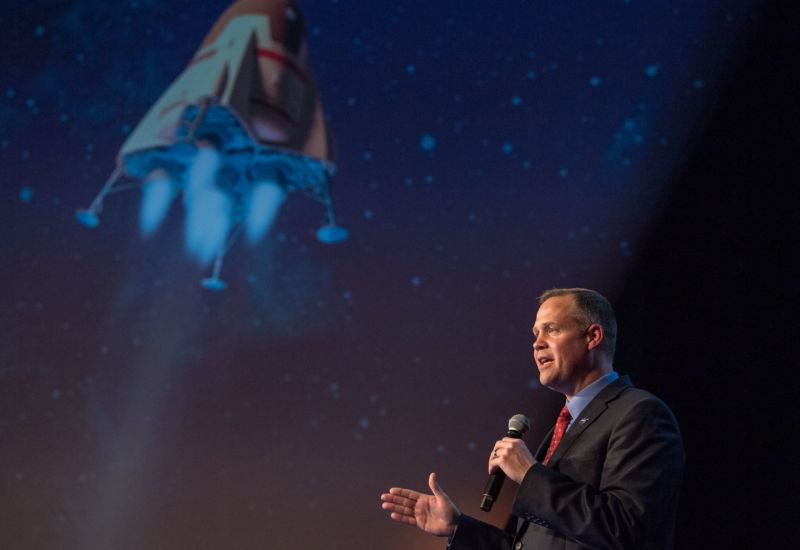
x=240, y=128
x=266, y=259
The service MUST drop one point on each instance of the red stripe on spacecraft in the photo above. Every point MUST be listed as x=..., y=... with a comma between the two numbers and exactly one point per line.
x=261, y=52
x=282, y=59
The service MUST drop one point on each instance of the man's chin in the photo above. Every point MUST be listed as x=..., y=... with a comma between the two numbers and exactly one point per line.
x=549, y=382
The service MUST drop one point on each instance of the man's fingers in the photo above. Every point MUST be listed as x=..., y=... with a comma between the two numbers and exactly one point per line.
x=407, y=493
x=499, y=456
x=399, y=500
x=398, y=509
x=403, y=519
x=495, y=456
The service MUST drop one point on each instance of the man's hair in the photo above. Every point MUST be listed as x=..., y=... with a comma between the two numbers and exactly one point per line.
x=590, y=307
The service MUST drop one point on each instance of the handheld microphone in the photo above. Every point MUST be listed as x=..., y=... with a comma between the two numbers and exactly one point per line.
x=517, y=426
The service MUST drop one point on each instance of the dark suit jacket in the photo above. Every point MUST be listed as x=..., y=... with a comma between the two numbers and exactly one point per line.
x=612, y=482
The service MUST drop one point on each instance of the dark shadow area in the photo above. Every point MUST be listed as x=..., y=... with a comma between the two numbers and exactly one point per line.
x=708, y=312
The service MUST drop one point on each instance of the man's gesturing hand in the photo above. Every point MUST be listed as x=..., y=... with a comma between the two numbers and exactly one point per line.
x=435, y=514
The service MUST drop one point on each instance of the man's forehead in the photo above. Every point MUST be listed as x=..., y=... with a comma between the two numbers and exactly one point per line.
x=555, y=309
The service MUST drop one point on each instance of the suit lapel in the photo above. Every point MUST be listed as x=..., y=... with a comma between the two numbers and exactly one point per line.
x=592, y=412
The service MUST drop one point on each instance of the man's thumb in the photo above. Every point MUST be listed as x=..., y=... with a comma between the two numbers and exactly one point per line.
x=436, y=489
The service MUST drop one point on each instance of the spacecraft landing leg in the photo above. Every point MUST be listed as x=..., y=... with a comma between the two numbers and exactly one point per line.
x=90, y=216
x=214, y=282
x=330, y=233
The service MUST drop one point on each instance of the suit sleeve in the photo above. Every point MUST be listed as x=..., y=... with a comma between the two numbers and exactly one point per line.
x=636, y=497
x=473, y=534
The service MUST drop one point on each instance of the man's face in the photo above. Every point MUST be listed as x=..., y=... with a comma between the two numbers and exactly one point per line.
x=560, y=346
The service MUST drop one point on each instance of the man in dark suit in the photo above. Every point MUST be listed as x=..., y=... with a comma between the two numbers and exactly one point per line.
x=607, y=475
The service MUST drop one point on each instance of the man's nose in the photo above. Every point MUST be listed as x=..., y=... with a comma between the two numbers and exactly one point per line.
x=538, y=343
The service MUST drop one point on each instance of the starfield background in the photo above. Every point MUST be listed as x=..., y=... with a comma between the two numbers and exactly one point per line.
x=486, y=153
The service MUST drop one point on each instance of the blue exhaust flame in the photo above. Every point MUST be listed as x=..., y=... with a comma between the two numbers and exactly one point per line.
x=157, y=195
x=209, y=210
x=262, y=208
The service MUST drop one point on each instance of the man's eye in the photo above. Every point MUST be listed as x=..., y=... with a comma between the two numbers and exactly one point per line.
x=552, y=330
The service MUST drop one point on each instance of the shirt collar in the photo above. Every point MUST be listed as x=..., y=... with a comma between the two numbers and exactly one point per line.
x=581, y=399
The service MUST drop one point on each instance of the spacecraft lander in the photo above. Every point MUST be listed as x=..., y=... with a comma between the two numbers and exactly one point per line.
x=238, y=130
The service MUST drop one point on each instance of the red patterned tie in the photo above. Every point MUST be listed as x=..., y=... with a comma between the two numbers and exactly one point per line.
x=558, y=432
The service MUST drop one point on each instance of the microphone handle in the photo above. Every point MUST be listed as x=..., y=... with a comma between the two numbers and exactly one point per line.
x=495, y=481
x=492, y=489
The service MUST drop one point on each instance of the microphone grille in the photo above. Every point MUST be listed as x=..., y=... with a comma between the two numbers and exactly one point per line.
x=519, y=423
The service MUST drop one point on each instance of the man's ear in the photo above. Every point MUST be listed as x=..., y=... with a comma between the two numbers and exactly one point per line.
x=594, y=335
